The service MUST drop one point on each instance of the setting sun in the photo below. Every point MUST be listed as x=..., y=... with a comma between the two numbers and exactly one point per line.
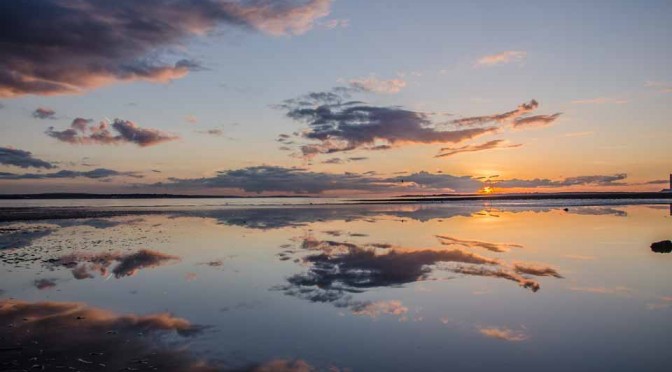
x=487, y=190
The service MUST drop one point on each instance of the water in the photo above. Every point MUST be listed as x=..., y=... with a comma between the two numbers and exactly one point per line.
x=462, y=286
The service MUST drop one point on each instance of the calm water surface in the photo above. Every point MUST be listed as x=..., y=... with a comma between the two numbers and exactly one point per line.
x=465, y=287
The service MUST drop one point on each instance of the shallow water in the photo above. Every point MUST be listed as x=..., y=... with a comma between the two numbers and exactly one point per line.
x=435, y=287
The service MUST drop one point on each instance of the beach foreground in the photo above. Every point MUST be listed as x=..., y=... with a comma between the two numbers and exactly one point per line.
x=472, y=285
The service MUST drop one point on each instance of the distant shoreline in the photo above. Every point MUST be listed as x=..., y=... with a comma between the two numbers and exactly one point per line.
x=531, y=196
x=65, y=195
x=402, y=198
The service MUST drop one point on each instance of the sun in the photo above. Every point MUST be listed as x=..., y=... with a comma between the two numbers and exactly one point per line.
x=487, y=190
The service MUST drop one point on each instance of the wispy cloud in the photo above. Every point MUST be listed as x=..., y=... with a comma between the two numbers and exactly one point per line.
x=334, y=23
x=535, y=121
x=124, y=38
x=22, y=159
x=99, y=173
x=376, y=85
x=84, y=132
x=596, y=180
x=504, y=333
x=508, y=56
x=660, y=86
x=494, y=144
x=517, y=118
x=600, y=101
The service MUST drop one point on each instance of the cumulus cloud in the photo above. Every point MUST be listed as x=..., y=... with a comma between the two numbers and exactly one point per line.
x=22, y=159
x=62, y=47
x=261, y=179
x=68, y=333
x=597, y=180
x=494, y=144
x=44, y=113
x=93, y=174
x=84, y=132
x=84, y=265
x=376, y=85
x=508, y=56
x=341, y=125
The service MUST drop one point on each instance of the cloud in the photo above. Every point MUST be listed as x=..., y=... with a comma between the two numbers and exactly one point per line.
x=191, y=119
x=621, y=291
x=22, y=159
x=597, y=180
x=660, y=86
x=126, y=40
x=83, y=265
x=44, y=113
x=260, y=179
x=494, y=144
x=44, y=283
x=341, y=125
x=336, y=271
x=93, y=174
x=68, y=333
x=83, y=132
x=331, y=24
x=345, y=160
x=522, y=281
x=493, y=247
x=599, y=101
x=508, y=56
x=376, y=309
x=535, y=121
x=376, y=85
x=535, y=269
x=503, y=333
x=505, y=117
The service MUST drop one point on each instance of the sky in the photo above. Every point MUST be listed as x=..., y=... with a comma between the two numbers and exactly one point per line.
x=334, y=98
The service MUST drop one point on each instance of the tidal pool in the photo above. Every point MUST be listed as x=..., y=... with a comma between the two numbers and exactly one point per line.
x=432, y=287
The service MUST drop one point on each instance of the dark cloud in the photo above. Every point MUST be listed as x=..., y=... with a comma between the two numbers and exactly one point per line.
x=84, y=265
x=83, y=132
x=535, y=269
x=57, y=334
x=22, y=159
x=597, y=180
x=522, y=109
x=663, y=246
x=261, y=179
x=44, y=283
x=44, y=113
x=339, y=270
x=99, y=173
x=341, y=125
x=494, y=144
x=536, y=120
x=62, y=47
x=439, y=181
x=344, y=160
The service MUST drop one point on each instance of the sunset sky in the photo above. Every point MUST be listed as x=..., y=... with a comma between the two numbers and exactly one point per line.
x=340, y=97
